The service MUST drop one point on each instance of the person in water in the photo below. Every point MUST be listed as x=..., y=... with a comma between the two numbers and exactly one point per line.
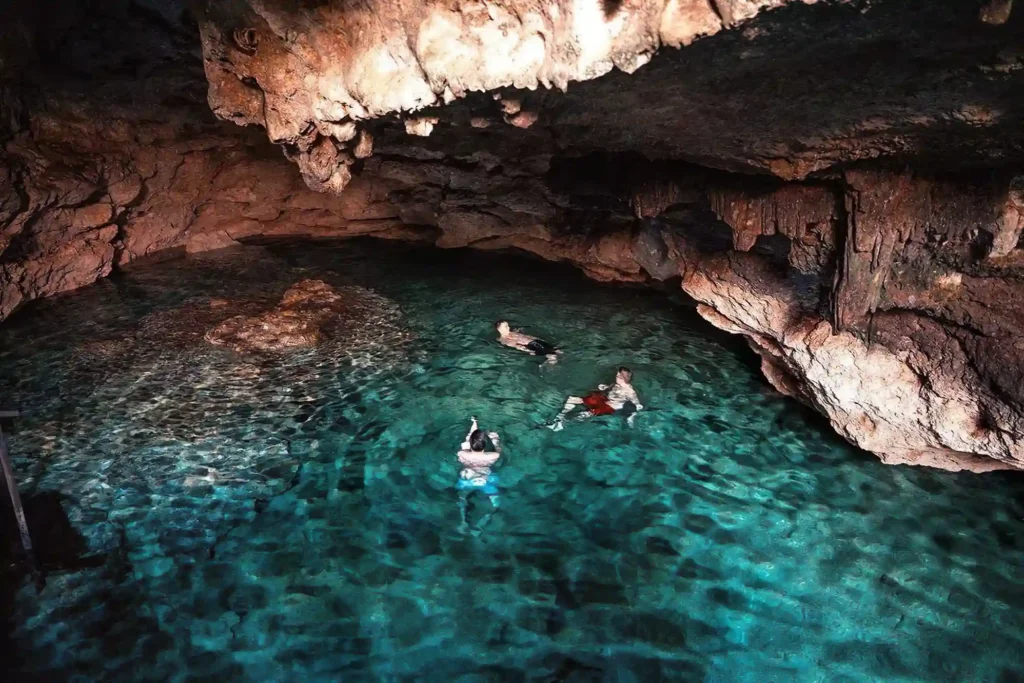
x=524, y=342
x=476, y=474
x=608, y=399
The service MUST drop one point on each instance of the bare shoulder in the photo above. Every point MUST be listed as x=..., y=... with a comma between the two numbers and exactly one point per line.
x=478, y=459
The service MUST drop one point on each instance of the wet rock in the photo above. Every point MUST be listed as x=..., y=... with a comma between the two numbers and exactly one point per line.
x=297, y=322
x=209, y=241
x=902, y=399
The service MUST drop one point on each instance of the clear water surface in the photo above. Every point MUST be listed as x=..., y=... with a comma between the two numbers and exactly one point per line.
x=295, y=519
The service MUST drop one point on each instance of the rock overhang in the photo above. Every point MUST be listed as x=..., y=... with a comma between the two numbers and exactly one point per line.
x=790, y=89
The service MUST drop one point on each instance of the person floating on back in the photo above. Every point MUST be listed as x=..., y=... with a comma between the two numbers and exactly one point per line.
x=524, y=342
x=608, y=399
x=476, y=474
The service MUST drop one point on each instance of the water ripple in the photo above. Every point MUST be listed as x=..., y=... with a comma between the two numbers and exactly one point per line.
x=294, y=518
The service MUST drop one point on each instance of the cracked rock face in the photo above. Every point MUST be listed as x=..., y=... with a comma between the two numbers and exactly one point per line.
x=310, y=76
x=787, y=88
x=839, y=181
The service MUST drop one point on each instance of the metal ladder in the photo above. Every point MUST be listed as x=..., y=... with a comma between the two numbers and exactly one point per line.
x=12, y=489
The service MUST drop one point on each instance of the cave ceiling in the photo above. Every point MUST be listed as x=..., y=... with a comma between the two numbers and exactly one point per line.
x=793, y=91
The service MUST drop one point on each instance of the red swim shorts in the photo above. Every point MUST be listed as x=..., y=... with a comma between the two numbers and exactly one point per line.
x=597, y=403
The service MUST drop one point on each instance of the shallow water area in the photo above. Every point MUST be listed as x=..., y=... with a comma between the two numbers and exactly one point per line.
x=294, y=517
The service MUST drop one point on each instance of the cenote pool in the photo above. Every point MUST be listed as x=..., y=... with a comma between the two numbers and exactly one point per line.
x=295, y=519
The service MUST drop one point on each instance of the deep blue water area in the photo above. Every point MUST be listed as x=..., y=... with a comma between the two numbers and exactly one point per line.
x=295, y=518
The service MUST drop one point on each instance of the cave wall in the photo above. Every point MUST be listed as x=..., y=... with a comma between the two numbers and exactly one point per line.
x=906, y=339
x=84, y=193
x=912, y=351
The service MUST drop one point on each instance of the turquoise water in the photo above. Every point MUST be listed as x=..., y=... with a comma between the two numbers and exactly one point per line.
x=295, y=519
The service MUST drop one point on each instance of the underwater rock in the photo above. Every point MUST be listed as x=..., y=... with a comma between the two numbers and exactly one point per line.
x=273, y=331
x=299, y=321
x=104, y=349
x=295, y=323
x=184, y=326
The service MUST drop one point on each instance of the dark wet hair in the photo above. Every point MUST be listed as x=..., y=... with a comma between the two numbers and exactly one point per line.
x=478, y=440
x=626, y=371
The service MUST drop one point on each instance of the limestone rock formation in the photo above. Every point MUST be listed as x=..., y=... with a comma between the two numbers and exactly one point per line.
x=308, y=313
x=88, y=192
x=309, y=75
x=788, y=87
x=909, y=402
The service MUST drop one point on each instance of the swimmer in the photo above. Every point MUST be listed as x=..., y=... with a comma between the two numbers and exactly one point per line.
x=524, y=342
x=608, y=399
x=476, y=472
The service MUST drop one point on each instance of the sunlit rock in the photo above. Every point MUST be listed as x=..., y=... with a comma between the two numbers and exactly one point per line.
x=422, y=126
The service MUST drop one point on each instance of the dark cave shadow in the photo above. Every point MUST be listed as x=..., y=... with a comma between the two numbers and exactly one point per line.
x=836, y=56
x=57, y=546
x=611, y=7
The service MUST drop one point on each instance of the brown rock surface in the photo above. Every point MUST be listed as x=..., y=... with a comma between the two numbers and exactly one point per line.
x=909, y=403
x=158, y=187
x=308, y=313
x=789, y=89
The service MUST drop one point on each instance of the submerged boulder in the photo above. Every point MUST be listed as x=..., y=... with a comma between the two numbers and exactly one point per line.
x=300, y=321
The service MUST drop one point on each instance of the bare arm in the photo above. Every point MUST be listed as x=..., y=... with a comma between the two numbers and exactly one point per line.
x=472, y=428
x=635, y=400
x=496, y=440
